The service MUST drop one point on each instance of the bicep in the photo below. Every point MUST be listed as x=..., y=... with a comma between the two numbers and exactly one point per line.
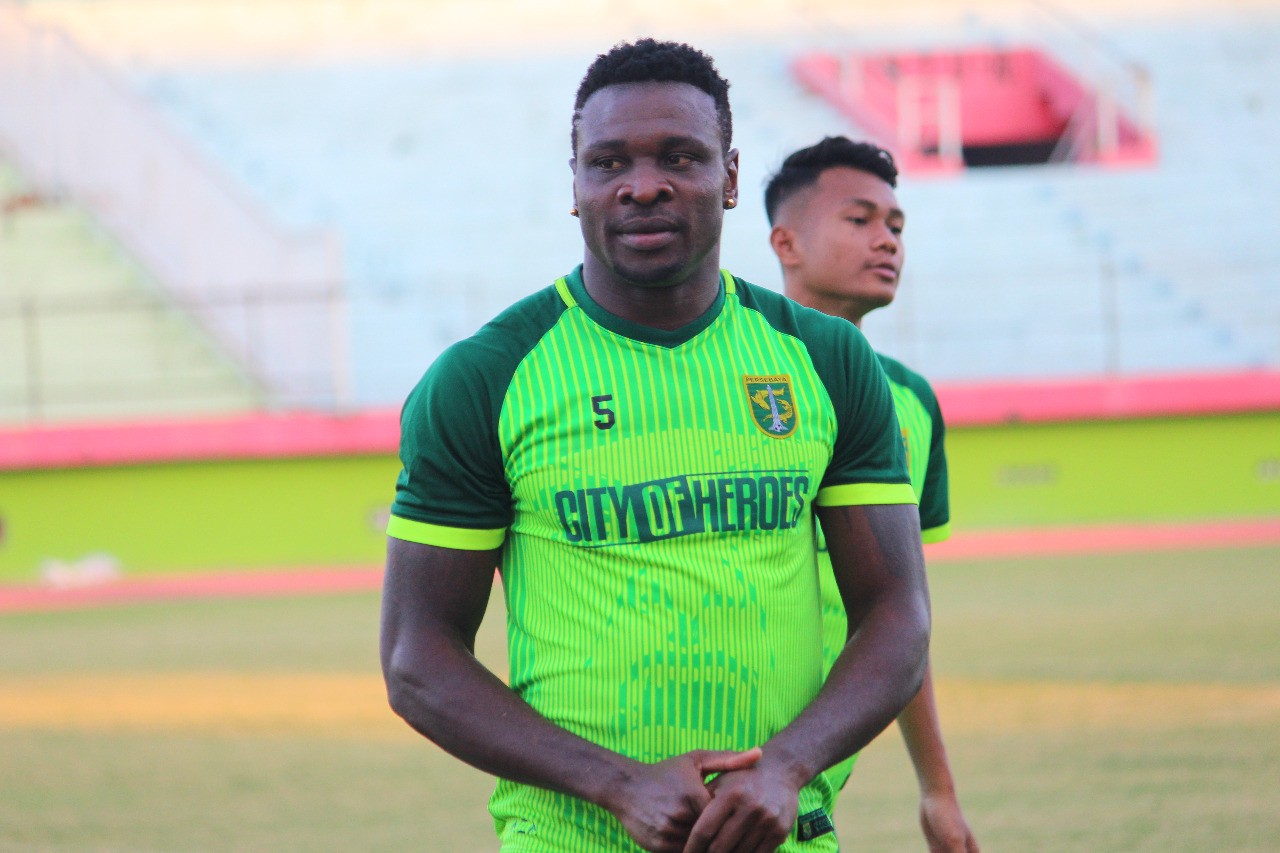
x=875, y=552
x=431, y=595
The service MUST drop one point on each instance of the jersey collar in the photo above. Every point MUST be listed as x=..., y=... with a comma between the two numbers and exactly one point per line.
x=573, y=292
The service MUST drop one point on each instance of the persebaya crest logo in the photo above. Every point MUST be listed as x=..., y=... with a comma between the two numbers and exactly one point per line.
x=773, y=406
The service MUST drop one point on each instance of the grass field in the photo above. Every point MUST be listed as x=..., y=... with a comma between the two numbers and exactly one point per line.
x=1091, y=704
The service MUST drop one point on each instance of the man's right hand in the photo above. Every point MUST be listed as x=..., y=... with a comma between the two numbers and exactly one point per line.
x=944, y=825
x=658, y=804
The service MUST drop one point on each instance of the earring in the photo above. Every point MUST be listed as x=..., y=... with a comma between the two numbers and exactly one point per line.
x=573, y=211
x=730, y=203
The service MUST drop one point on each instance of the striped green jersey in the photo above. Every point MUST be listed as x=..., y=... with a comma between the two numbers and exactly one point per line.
x=654, y=490
x=923, y=434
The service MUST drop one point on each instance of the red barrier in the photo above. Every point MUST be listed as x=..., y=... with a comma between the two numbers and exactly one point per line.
x=1110, y=399
x=308, y=434
x=259, y=436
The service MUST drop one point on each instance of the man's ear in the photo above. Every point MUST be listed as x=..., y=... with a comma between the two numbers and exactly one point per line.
x=783, y=241
x=731, y=175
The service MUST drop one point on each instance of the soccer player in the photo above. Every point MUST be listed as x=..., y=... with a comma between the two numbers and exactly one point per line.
x=837, y=231
x=641, y=447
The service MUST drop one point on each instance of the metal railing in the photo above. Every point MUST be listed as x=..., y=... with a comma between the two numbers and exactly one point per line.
x=138, y=354
x=76, y=131
x=1120, y=87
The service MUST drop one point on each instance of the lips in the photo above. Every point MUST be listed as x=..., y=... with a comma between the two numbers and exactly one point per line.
x=888, y=271
x=647, y=234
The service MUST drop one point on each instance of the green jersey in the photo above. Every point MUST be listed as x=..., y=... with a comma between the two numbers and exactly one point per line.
x=923, y=435
x=654, y=490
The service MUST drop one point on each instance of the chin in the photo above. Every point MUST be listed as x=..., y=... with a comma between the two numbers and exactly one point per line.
x=878, y=294
x=657, y=276
x=868, y=298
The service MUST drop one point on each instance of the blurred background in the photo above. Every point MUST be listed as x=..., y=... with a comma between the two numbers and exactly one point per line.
x=234, y=233
x=302, y=203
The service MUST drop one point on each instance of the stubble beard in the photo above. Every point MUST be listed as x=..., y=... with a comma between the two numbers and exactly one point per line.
x=662, y=275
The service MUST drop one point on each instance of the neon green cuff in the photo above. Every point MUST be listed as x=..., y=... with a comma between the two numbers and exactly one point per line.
x=461, y=538
x=936, y=534
x=861, y=494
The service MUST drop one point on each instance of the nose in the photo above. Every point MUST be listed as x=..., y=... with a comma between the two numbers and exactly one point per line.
x=646, y=186
x=886, y=240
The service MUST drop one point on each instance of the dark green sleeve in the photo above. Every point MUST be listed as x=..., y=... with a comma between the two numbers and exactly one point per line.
x=452, y=490
x=452, y=473
x=868, y=450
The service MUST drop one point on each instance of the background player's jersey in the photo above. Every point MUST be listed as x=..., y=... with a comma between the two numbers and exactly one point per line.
x=655, y=490
x=923, y=436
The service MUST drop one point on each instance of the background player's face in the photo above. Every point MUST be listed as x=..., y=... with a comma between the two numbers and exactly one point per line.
x=846, y=242
x=650, y=179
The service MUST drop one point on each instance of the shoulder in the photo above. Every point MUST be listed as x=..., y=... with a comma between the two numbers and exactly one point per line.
x=820, y=332
x=482, y=365
x=506, y=339
x=904, y=376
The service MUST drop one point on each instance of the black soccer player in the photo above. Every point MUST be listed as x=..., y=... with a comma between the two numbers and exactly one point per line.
x=641, y=447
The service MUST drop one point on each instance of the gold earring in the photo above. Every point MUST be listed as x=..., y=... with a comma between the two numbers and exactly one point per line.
x=573, y=211
x=730, y=203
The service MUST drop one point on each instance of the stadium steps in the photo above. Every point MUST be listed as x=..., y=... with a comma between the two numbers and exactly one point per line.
x=84, y=335
x=447, y=179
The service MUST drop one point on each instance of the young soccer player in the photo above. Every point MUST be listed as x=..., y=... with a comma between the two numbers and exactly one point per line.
x=641, y=447
x=837, y=231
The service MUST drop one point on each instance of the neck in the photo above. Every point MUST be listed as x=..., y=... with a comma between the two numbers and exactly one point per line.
x=664, y=306
x=836, y=306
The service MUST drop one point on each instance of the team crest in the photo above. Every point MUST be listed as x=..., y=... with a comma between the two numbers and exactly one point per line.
x=773, y=406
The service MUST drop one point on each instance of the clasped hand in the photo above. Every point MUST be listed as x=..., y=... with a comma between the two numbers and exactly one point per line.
x=669, y=807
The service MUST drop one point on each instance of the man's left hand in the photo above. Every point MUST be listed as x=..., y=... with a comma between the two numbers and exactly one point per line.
x=751, y=811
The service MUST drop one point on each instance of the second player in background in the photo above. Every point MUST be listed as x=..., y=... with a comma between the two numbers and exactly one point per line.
x=837, y=232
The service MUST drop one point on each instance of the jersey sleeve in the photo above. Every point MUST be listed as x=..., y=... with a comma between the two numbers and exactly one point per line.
x=935, y=504
x=452, y=490
x=868, y=463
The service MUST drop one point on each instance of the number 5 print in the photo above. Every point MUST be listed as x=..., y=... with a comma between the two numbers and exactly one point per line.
x=598, y=406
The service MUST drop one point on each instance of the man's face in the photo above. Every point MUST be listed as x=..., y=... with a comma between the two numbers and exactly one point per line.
x=650, y=179
x=846, y=239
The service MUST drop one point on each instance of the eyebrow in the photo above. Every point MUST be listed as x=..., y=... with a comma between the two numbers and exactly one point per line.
x=668, y=142
x=871, y=205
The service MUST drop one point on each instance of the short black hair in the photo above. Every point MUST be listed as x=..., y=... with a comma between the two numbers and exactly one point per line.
x=804, y=167
x=649, y=61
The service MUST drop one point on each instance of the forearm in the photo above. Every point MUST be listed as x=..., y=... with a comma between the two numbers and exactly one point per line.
x=922, y=734
x=470, y=713
x=433, y=602
x=872, y=679
x=875, y=676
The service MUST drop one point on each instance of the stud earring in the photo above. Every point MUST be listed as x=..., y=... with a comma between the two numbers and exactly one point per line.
x=730, y=203
x=573, y=211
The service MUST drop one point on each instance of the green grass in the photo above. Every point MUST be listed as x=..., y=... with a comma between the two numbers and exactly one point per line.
x=1194, y=788
x=327, y=633
x=1194, y=616
x=1182, y=783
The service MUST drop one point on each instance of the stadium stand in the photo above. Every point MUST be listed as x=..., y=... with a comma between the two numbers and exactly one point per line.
x=84, y=332
x=268, y=299
x=444, y=172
